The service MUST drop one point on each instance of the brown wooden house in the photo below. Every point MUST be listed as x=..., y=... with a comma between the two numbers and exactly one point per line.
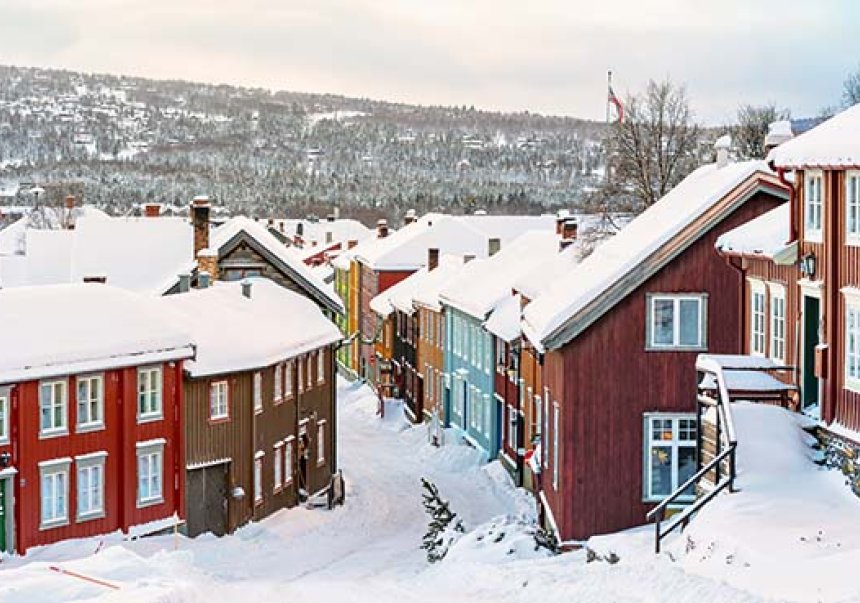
x=259, y=402
x=620, y=334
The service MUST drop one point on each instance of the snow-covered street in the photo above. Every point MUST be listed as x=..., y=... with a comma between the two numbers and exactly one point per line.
x=368, y=550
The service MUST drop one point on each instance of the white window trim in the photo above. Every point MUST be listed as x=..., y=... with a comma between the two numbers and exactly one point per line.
x=288, y=454
x=555, y=444
x=278, y=451
x=150, y=415
x=647, y=495
x=5, y=421
x=321, y=438
x=86, y=461
x=149, y=448
x=90, y=425
x=55, y=430
x=320, y=366
x=676, y=298
x=289, y=376
x=258, y=390
x=757, y=287
x=214, y=388
x=777, y=291
x=852, y=302
x=277, y=387
x=812, y=235
x=852, y=238
x=52, y=467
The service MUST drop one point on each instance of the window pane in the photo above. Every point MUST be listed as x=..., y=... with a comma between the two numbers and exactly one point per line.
x=689, y=317
x=661, y=470
x=662, y=325
x=686, y=467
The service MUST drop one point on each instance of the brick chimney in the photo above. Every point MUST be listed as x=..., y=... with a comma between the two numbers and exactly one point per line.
x=382, y=228
x=432, y=258
x=351, y=243
x=410, y=217
x=200, y=209
x=560, y=217
x=96, y=278
x=70, y=202
x=569, y=229
x=493, y=247
x=468, y=258
x=152, y=210
x=246, y=288
x=207, y=261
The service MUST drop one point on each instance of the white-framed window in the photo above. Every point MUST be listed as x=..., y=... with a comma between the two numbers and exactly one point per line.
x=53, y=407
x=544, y=439
x=473, y=410
x=300, y=375
x=219, y=403
x=150, y=473
x=288, y=460
x=258, y=391
x=852, y=207
x=813, y=206
x=487, y=410
x=670, y=454
x=758, y=315
x=320, y=366
x=278, y=466
x=90, y=391
x=555, y=442
x=258, y=477
x=479, y=348
x=290, y=376
x=852, y=343
x=535, y=415
x=310, y=370
x=488, y=352
x=777, y=322
x=500, y=357
x=5, y=410
x=91, y=486
x=321, y=442
x=676, y=321
x=54, y=492
x=512, y=428
x=278, y=386
x=149, y=393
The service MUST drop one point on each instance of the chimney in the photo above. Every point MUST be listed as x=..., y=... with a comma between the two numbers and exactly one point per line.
x=351, y=243
x=184, y=282
x=493, y=247
x=207, y=261
x=777, y=133
x=300, y=228
x=102, y=279
x=200, y=208
x=271, y=223
x=468, y=258
x=409, y=218
x=382, y=228
x=329, y=237
x=246, y=288
x=569, y=229
x=152, y=210
x=203, y=280
x=70, y=202
x=330, y=218
x=560, y=217
x=281, y=226
x=722, y=146
x=432, y=258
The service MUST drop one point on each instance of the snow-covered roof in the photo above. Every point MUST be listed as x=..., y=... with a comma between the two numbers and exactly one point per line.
x=236, y=333
x=402, y=295
x=427, y=295
x=588, y=282
x=833, y=143
x=65, y=329
x=764, y=236
x=477, y=291
x=318, y=234
x=504, y=322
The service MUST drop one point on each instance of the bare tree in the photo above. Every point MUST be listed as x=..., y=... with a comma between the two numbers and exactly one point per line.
x=851, y=89
x=751, y=128
x=654, y=148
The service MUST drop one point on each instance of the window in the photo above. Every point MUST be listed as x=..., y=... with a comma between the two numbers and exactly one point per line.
x=320, y=442
x=91, y=473
x=479, y=348
x=218, y=404
x=500, y=357
x=757, y=318
x=258, y=391
x=473, y=411
x=149, y=393
x=52, y=404
x=813, y=206
x=544, y=446
x=4, y=417
x=310, y=367
x=676, y=321
x=320, y=366
x=488, y=352
x=555, y=445
x=150, y=457
x=777, y=323
x=54, y=481
x=512, y=428
x=279, y=459
x=258, y=477
x=288, y=460
x=279, y=384
x=852, y=206
x=852, y=344
x=537, y=417
x=487, y=409
x=90, y=401
x=670, y=454
x=290, y=376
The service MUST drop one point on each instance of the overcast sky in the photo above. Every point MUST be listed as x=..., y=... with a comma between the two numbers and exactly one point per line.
x=549, y=56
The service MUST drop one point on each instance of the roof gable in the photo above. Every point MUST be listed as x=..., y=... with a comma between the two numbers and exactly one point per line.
x=834, y=143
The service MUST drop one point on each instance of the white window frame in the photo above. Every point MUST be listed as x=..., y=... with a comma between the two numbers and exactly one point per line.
x=309, y=369
x=5, y=411
x=758, y=317
x=289, y=376
x=321, y=432
x=488, y=354
x=544, y=438
x=676, y=299
x=675, y=443
x=219, y=400
x=90, y=465
x=85, y=421
x=500, y=357
x=487, y=413
x=150, y=473
x=555, y=445
x=852, y=341
x=54, y=386
x=852, y=206
x=512, y=428
x=288, y=460
x=258, y=477
x=320, y=366
x=777, y=322
x=258, y=390
x=54, y=471
x=813, y=206
x=150, y=403
x=278, y=466
x=278, y=393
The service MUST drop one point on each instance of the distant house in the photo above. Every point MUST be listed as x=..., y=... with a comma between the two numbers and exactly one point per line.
x=619, y=334
x=259, y=412
x=314, y=239
x=91, y=437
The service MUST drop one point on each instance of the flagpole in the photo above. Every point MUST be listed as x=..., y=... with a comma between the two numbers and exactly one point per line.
x=608, y=92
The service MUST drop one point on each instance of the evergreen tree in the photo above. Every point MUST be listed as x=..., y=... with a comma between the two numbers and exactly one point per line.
x=442, y=529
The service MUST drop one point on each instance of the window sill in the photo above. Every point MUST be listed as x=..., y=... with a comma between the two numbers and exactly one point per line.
x=46, y=435
x=218, y=420
x=813, y=237
x=149, y=418
x=57, y=523
x=852, y=240
x=90, y=516
x=681, y=501
x=142, y=504
x=258, y=502
x=321, y=463
x=89, y=427
x=852, y=385
x=699, y=349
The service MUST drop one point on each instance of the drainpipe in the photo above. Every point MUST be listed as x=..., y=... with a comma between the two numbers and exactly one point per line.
x=741, y=301
x=792, y=203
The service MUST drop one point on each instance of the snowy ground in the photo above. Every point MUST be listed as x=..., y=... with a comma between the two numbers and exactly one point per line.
x=368, y=550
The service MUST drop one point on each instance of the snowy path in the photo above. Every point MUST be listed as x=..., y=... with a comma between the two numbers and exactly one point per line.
x=368, y=549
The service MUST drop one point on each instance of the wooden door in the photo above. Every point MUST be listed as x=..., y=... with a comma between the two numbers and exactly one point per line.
x=811, y=386
x=207, y=500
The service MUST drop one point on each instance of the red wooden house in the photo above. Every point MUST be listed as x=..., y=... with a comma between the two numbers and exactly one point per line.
x=91, y=436
x=620, y=333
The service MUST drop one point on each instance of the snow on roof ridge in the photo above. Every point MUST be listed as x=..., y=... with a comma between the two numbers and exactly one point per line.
x=833, y=143
x=644, y=235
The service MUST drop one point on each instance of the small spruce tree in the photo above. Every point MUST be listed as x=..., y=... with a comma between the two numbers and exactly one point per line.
x=443, y=525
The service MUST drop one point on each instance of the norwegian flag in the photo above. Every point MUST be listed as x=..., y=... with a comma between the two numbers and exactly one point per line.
x=616, y=102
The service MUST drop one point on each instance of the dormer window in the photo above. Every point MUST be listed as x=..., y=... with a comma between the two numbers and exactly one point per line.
x=813, y=207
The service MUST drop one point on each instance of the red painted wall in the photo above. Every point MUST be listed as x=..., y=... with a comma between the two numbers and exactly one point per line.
x=118, y=438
